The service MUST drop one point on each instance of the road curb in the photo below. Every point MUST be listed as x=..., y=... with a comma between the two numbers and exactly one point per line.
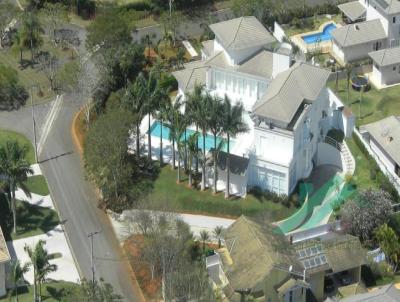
x=75, y=138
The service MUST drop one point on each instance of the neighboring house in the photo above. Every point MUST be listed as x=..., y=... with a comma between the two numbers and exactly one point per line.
x=386, y=67
x=288, y=108
x=384, y=139
x=380, y=30
x=387, y=293
x=261, y=261
x=4, y=260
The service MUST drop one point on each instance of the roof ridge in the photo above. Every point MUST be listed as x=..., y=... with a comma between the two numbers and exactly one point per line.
x=237, y=31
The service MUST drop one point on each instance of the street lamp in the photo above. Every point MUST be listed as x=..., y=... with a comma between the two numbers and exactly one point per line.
x=91, y=235
x=34, y=124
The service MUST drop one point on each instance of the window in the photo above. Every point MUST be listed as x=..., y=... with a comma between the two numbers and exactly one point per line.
x=271, y=180
x=394, y=68
x=394, y=19
x=377, y=45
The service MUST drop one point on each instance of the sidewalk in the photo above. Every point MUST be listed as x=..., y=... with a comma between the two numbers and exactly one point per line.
x=56, y=242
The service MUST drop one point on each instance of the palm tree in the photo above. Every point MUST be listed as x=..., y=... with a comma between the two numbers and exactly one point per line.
x=389, y=243
x=233, y=125
x=218, y=230
x=164, y=105
x=40, y=260
x=134, y=100
x=31, y=30
x=17, y=274
x=204, y=236
x=193, y=154
x=215, y=125
x=180, y=57
x=349, y=69
x=177, y=125
x=18, y=45
x=192, y=103
x=15, y=169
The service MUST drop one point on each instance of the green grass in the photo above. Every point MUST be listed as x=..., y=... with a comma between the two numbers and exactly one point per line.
x=37, y=184
x=362, y=173
x=51, y=292
x=375, y=104
x=6, y=135
x=169, y=195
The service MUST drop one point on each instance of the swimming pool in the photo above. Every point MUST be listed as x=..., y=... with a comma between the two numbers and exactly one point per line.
x=325, y=35
x=155, y=130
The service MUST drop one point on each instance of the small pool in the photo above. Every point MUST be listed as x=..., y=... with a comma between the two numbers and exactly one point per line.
x=155, y=130
x=325, y=35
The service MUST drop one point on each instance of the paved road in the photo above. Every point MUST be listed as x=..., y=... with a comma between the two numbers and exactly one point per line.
x=74, y=196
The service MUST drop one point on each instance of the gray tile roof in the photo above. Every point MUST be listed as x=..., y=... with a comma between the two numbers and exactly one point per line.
x=242, y=33
x=386, y=133
x=353, y=10
x=387, y=293
x=193, y=74
x=359, y=33
x=287, y=92
x=386, y=57
x=389, y=6
x=260, y=65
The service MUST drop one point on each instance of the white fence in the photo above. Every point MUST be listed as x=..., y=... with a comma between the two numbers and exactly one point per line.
x=279, y=33
x=390, y=174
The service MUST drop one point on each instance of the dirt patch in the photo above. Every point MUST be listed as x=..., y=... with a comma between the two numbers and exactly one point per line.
x=79, y=130
x=134, y=249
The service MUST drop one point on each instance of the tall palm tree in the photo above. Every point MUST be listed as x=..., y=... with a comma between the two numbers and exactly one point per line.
x=215, y=125
x=193, y=154
x=40, y=260
x=349, y=69
x=204, y=236
x=17, y=274
x=134, y=100
x=15, y=169
x=193, y=100
x=164, y=105
x=18, y=45
x=218, y=230
x=31, y=30
x=177, y=126
x=233, y=125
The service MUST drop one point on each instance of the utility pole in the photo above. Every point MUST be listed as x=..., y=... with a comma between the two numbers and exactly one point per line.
x=34, y=126
x=91, y=235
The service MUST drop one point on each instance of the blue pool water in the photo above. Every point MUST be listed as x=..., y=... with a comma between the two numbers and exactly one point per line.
x=155, y=130
x=325, y=35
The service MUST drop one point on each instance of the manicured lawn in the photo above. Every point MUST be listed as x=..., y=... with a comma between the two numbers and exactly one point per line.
x=31, y=219
x=169, y=195
x=375, y=104
x=51, y=292
x=362, y=173
x=37, y=184
x=6, y=135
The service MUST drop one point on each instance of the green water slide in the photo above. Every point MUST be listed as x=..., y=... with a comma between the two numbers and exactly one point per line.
x=316, y=206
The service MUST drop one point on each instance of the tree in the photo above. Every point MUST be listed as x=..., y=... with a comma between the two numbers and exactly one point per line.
x=218, y=230
x=389, y=243
x=7, y=14
x=180, y=57
x=49, y=64
x=110, y=28
x=87, y=291
x=70, y=75
x=54, y=15
x=193, y=154
x=177, y=126
x=204, y=236
x=106, y=152
x=17, y=274
x=171, y=23
x=171, y=114
x=214, y=123
x=41, y=266
x=134, y=100
x=12, y=94
x=18, y=45
x=164, y=106
x=233, y=124
x=366, y=212
x=258, y=8
x=15, y=169
x=349, y=69
x=31, y=31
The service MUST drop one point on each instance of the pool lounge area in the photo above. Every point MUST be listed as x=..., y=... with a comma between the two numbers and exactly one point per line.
x=316, y=41
x=156, y=128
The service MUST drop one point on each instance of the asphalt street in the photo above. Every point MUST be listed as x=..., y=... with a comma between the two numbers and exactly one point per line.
x=74, y=196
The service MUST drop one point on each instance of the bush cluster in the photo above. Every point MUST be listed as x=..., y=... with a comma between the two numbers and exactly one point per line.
x=274, y=197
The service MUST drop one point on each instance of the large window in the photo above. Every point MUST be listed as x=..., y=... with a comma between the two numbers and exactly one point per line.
x=271, y=180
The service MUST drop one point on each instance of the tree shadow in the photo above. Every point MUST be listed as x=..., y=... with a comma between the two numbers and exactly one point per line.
x=55, y=293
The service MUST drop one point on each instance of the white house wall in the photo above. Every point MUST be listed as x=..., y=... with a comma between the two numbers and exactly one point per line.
x=360, y=52
x=337, y=51
x=389, y=74
x=237, y=183
x=377, y=74
x=280, y=63
x=373, y=14
x=329, y=155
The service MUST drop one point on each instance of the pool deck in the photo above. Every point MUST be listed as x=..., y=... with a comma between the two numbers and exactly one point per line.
x=323, y=47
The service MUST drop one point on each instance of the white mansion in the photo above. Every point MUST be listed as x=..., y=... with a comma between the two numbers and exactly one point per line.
x=288, y=107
